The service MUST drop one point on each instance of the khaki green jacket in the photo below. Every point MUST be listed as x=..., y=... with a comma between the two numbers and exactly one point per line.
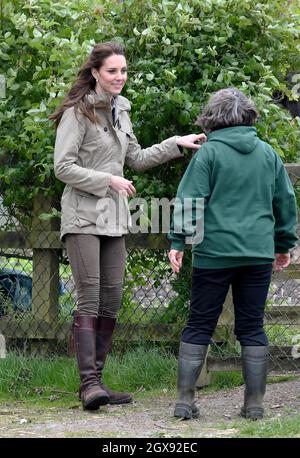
x=87, y=155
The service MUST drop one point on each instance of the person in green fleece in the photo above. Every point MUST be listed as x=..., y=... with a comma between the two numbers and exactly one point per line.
x=249, y=225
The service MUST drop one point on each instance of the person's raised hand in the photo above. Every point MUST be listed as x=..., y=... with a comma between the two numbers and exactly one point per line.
x=191, y=141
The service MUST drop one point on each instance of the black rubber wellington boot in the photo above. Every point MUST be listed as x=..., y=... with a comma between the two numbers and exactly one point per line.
x=190, y=361
x=254, y=363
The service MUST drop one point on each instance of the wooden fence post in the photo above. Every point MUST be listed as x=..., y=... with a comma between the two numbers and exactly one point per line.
x=45, y=276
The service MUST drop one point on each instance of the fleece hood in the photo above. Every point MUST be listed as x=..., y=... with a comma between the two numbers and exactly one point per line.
x=242, y=138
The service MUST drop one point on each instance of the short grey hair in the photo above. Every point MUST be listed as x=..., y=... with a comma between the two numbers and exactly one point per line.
x=227, y=107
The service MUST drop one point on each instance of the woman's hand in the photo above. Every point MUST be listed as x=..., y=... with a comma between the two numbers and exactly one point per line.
x=122, y=185
x=190, y=141
x=282, y=260
x=175, y=258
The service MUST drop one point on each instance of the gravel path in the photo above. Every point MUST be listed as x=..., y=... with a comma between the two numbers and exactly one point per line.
x=148, y=418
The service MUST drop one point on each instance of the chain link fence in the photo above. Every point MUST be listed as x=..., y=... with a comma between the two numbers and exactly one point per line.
x=37, y=294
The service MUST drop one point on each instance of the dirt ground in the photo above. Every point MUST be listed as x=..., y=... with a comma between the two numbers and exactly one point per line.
x=147, y=418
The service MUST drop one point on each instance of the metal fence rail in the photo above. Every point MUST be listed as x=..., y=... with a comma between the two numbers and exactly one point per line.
x=37, y=295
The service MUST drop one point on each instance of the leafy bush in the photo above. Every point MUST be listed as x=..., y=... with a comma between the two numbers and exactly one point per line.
x=178, y=53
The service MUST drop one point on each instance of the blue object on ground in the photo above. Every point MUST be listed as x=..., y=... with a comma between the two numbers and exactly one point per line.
x=16, y=288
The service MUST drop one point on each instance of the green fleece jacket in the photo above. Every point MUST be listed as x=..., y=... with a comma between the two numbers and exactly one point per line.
x=250, y=208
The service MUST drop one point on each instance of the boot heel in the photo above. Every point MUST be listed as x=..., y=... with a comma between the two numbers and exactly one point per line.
x=183, y=411
x=94, y=398
x=195, y=411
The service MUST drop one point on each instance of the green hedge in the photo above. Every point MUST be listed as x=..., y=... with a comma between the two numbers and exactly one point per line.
x=178, y=53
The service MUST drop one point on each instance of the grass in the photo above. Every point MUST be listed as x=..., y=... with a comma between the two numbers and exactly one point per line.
x=222, y=380
x=55, y=379
x=280, y=427
x=140, y=371
x=273, y=428
x=37, y=379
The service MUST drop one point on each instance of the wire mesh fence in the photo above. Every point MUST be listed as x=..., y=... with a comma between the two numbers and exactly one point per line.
x=38, y=297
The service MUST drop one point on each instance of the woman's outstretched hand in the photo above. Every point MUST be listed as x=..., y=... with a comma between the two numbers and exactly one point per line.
x=122, y=185
x=191, y=141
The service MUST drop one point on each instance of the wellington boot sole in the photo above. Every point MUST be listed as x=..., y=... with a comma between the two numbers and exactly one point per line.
x=186, y=411
x=252, y=413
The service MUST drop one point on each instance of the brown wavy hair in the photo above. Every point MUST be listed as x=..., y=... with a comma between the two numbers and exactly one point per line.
x=85, y=82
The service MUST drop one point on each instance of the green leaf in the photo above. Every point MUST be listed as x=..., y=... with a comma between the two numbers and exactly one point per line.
x=37, y=33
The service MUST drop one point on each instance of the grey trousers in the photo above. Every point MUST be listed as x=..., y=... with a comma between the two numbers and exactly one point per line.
x=98, y=264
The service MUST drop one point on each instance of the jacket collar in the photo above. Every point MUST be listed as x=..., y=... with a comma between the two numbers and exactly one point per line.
x=103, y=100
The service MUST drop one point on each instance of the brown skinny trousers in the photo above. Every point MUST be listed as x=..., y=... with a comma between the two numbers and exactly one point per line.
x=98, y=266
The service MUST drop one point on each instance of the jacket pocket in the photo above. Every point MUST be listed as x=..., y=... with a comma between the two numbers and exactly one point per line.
x=86, y=211
x=109, y=214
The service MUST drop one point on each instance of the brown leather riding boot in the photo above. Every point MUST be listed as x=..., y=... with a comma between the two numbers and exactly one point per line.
x=92, y=394
x=104, y=332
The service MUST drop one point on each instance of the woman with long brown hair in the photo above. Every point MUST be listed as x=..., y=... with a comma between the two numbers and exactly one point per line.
x=93, y=143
